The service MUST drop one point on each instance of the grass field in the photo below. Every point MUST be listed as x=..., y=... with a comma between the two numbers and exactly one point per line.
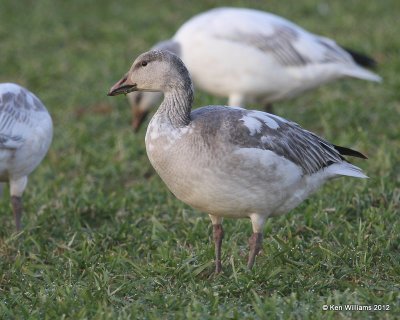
x=103, y=237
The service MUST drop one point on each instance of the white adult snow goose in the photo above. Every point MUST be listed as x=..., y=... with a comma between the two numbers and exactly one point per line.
x=254, y=56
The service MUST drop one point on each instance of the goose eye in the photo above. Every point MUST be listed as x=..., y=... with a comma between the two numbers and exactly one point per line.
x=144, y=63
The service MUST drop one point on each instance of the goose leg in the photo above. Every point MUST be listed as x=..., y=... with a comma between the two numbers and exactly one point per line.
x=236, y=100
x=16, y=203
x=17, y=187
x=255, y=241
x=1, y=188
x=218, y=235
x=269, y=108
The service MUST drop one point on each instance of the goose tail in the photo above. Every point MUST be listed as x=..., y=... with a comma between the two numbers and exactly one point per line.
x=346, y=169
x=361, y=73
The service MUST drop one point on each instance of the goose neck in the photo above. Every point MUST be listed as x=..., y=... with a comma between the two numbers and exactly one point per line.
x=176, y=107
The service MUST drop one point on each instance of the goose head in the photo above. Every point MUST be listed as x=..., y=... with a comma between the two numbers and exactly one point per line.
x=155, y=70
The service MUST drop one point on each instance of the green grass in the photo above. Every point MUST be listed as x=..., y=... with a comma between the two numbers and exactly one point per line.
x=103, y=237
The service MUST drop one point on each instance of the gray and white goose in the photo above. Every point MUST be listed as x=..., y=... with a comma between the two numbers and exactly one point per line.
x=229, y=162
x=250, y=56
x=26, y=131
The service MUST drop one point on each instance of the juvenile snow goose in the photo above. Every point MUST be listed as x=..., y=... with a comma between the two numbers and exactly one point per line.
x=26, y=132
x=254, y=56
x=229, y=162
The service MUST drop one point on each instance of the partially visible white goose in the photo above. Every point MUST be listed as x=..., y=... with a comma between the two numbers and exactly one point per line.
x=229, y=162
x=253, y=56
x=26, y=131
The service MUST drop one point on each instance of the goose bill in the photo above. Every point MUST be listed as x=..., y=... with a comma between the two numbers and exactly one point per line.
x=122, y=87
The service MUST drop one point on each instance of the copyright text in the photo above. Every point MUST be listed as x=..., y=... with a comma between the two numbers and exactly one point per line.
x=356, y=307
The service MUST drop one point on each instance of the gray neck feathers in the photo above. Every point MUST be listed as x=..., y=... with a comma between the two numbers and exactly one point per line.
x=178, y=96
x=176, y=106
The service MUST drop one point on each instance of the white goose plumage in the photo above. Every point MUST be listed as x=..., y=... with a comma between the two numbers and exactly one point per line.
x=228, y=161
x=252, y=56
x=26, y=132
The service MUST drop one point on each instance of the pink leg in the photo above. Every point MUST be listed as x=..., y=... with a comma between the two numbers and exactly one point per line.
x=16, y=203
x=218, y=235
x=269, y=108
x=255, y=243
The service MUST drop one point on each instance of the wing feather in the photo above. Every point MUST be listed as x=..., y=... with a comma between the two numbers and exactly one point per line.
x=10, y=142
x=16, y=108
x=288, y=43
x=289, y=140
x=269, y=132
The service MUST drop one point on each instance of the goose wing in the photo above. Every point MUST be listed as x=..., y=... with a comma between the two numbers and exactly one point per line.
x=289, y=140
x=16, y=108
x=287, y=42
x=260, y=130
